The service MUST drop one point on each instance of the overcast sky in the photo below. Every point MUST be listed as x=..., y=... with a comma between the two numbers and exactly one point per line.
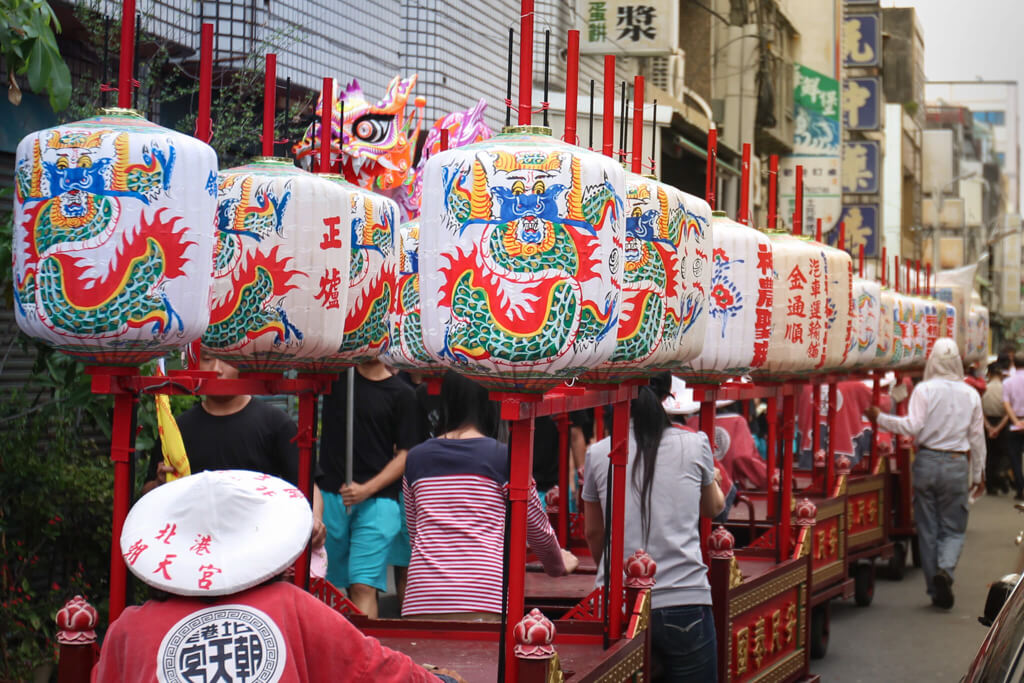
x=967, y=39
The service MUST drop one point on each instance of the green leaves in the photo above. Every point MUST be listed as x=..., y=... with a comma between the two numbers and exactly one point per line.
x=29, y=47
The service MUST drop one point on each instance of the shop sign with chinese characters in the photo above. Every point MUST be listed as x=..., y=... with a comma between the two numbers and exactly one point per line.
x=628, y=27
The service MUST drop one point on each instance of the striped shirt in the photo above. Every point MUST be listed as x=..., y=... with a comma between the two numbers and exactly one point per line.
x=455, y=492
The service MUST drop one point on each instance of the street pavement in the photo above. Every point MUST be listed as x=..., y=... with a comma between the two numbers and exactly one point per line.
x=900, y=636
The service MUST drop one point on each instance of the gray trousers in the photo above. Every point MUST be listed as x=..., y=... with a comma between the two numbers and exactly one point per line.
x=940, y=510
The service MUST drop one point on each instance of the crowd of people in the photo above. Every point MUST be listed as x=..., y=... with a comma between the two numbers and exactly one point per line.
x=429, y=492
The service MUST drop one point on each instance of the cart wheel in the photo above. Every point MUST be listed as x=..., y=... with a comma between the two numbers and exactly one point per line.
x=863, y=584
x=915, y=552
x=898, y=562
x=819, y=631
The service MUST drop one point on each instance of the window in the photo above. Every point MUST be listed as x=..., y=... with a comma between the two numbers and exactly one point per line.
x=996, y=118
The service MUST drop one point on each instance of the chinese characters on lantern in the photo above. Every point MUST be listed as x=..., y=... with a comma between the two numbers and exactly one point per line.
x=763, y=308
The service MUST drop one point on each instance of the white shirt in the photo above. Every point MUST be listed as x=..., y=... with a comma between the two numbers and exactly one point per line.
x=943, y=415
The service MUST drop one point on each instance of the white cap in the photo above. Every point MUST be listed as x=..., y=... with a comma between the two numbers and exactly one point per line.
x=216, y=533
x=680, y=401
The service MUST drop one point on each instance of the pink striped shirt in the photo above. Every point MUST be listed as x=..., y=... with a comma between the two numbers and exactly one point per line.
x=455, y=492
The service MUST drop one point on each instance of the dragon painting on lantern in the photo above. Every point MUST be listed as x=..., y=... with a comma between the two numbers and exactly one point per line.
x=375, y=144
x=102, y=245
x=519, y=275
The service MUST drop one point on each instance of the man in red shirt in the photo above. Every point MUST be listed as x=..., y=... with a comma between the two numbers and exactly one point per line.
x=213, y=544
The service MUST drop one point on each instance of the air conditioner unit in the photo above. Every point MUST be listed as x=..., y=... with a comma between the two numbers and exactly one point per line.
x=668, y=72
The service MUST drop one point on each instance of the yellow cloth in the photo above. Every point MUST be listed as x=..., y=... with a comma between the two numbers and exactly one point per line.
x=171, y=444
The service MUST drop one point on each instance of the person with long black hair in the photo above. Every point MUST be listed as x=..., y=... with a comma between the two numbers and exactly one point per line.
x=671, y=483
x=455, y=491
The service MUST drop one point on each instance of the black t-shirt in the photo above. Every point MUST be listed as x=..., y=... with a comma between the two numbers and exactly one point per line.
x=545, y=453
x=260, y=437
x=385, y=420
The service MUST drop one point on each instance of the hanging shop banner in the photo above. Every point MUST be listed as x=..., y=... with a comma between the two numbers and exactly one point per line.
x=862, y=103
x=816, y=104
x=822, y=196
x=862, y=222
x=626, y=27
x=862, y=40
x=862, y=167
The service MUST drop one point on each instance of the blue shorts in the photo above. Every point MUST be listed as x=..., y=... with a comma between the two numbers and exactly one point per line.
x=400, y=551
x=358, y=541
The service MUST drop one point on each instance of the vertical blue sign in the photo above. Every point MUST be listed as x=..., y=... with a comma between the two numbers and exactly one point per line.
x=861, y=169
x=862, y=40
x=861, y=222
x=862, y=103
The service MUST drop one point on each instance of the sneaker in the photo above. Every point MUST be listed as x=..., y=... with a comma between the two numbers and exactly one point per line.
x=943, y=583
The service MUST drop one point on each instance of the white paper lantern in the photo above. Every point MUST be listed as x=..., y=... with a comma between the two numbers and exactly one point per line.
x=885, y=346
x=520, y=259
x=113, y=237
x=665, y=281
x=864, y=340
x=372, y=274
x=740, y=302
x=800, y=313
x=959, y=297
x=281, y=268
x=407, y=350
x=840, y=305
x=977, y=333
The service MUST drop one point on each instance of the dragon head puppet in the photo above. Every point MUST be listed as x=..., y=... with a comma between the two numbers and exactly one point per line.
x=374, y=145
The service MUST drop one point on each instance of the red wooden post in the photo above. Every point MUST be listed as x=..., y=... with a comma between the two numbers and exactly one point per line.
x=928, y=279
x=121, y=441
x=884, y=266
x=204, y=132
x=76, y=637
x=917, y=277
x=842, y=237
x=722, y=553
x=815, y=418
x=269, y=103
x=860, y=261
x=526, y=63
x=744, y=216
x=608, y=121
x=534, y=648
x=620, y=457
x=572, y=77
x=637, y=150
x=326, y=124
x=306, y=439
x=640, y=570
x=521, y=451
x=204, y=126
x=773, y=191
x=707, y=425
x=798, y=209
x=896, y=272
x=876, y=397
x=125, y=81
x=788, y=433
x=817, y=231
x=830, y=452
x=710, y=187
x=565, y=494
x=772, y=448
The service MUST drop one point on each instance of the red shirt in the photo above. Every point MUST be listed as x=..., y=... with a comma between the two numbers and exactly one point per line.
x=274, y=632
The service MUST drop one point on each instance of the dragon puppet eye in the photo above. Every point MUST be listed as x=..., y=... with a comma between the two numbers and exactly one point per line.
x=62, y=162
x=85, y=162
x=373, y=128
x=538, y=187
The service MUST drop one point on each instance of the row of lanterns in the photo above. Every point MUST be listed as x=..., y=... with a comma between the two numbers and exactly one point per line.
x=533, y=262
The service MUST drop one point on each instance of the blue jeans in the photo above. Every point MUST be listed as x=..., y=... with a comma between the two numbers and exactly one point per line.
x=683, y=638
x=940, y=510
